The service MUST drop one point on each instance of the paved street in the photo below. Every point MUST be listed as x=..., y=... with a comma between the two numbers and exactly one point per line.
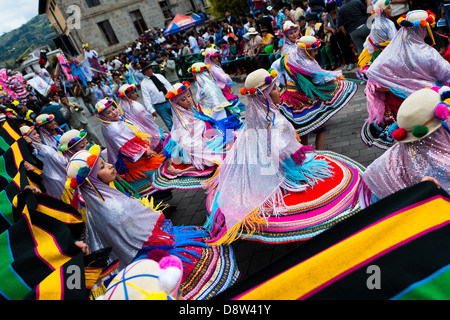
x=343, y=136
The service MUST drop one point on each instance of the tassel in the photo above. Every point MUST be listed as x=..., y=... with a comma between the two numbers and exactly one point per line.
x=249, y=225
x=299, y=155
x=120, y=166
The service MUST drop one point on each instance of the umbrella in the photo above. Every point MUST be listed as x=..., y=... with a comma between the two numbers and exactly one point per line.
x=181, y=22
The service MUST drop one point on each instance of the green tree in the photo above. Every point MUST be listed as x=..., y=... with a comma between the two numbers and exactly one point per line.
x=218, y=7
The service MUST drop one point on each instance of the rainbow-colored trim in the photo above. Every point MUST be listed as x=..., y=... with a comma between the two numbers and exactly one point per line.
x=44, y=121
x=176, y=91
x=73, y=141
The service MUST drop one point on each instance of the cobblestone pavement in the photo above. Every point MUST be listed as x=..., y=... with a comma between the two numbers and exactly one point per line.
x=343, y=136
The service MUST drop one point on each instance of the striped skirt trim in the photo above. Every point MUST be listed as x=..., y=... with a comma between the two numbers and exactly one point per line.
x=314, y=114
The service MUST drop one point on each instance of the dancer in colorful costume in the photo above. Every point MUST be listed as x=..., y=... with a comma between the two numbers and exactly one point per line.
x=422, y=149
x=54, y=170
x=135, y=229
x=138, y=114
x=223, y=80
x=270, y=187
x=311, y=95
x=130, y=150
x=406, y=65
x=193, y=149
x=291, y=33
x=382, y=32
x=222, y=114
x=49, y=130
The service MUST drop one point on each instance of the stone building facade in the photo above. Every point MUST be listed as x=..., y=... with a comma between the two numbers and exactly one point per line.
x=109, y=25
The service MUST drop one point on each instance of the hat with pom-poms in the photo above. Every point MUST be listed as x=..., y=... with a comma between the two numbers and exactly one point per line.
x=81, y=165
x=422, y=113
x=258, y=80
x=178, y=88
x=70, y=139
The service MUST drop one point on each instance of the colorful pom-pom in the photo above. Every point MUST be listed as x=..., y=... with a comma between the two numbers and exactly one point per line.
x=83, y=172
x=95, y=150
x=243, y=91
x=399, y=134
x=252, y=90
x=268, y=80
x=170, y=95
x=73, y=183
x=79, y=179
x=91, y=160
x=423, y=23
x=419, y=131
x=442, y=112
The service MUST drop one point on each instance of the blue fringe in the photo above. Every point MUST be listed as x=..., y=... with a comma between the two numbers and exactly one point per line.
x=120, y=165
x=173, y=150
x=311, y=171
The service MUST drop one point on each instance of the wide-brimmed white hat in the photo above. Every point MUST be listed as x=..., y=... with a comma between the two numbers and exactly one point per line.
x=420, y=114
x=258, y=80
x=252, y=31
x=70, y=139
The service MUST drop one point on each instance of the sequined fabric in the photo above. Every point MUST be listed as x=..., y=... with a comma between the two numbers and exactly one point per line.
x=54, y=171
x=210, y=97
x=194, y=138
x=142, y=119
x=219, y=76
x=117, y=221
x=408, y=64
x=382, y=30
x=405, y=164
x=253, y=169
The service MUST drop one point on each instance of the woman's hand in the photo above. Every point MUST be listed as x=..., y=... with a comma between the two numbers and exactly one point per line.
x=83, y=246
x=427, y=178
x=150, y=153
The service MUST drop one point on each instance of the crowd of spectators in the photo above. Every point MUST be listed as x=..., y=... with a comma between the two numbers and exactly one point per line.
x=247, y=41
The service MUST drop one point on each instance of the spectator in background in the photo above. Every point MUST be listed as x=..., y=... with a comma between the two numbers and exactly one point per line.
x=154, y=88
x=52, y=107
x=302, y=25
x=351, y=19
x=343, y=49
x=263, y=20
x=168, y=68
x=278, y=16
x=399, y=8
x=297, y=10
x=193, y=44
x=103, y=90
x=231, y=19
x=255, y=40
x=313, y=25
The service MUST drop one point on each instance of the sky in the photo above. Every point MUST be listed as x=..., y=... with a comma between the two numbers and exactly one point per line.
x=14, y=13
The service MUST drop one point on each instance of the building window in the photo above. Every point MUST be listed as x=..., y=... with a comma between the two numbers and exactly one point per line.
x=108, y=32
x=138, y=21
x=165, y=8
x=92, y=3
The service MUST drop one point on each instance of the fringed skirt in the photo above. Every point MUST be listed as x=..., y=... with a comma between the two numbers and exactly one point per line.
x=307, y=114
x=180, y=176
x=310, y=212
x=207, y=270
x=139, y=174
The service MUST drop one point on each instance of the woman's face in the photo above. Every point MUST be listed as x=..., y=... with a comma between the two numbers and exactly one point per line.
x=51, y=126
x=80, y=146
x=275, y=94
x=35, y=136
x=185, y=100
x=293, y=35
x=388, y=11
x=133, y=95
x=215, y=59
x=111, y=113
x=106, y=171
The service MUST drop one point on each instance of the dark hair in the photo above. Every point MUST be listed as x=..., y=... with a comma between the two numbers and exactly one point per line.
x=331, y=5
